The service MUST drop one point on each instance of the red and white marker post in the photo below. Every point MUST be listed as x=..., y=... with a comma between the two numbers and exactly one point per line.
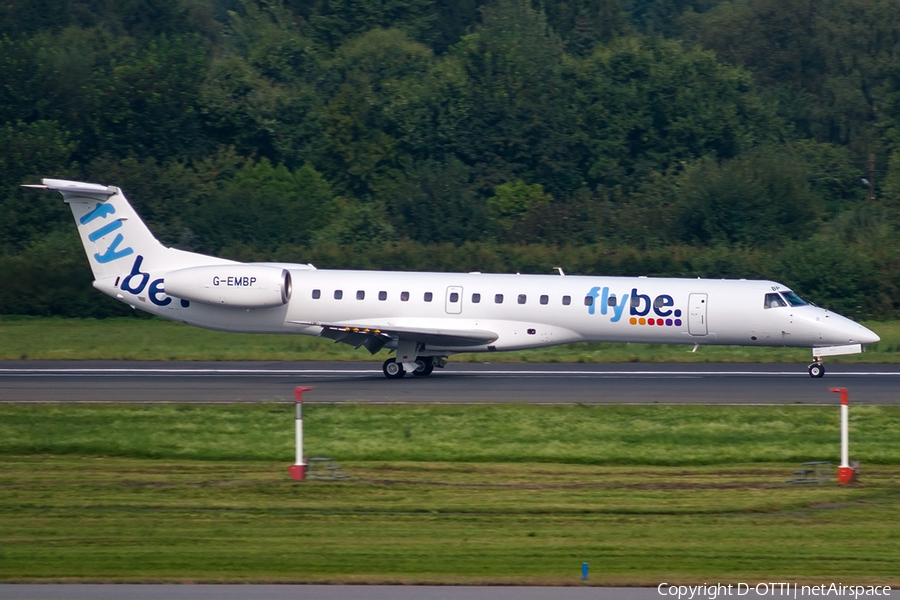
x=846, y=473
x=298, y=469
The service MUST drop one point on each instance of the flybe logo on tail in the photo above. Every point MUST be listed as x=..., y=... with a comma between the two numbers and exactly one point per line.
x=136, y=281
x=113, y=251
x=639, y=305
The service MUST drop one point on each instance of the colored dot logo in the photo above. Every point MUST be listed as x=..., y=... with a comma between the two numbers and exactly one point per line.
x=657, y=322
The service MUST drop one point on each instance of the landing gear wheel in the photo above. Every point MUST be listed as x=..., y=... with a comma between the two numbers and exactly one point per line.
x=392, y=369
x=424, y=366
x=817, y=370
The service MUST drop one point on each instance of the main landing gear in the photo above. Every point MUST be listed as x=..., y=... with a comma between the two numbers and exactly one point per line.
x=817, y=369
x=394, y=370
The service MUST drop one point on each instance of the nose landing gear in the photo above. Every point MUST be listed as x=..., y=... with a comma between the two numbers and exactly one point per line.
x=817, y=369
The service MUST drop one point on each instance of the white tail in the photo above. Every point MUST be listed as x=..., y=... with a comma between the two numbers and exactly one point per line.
x=114, y=236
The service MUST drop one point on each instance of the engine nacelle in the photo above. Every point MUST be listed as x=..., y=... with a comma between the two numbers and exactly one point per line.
x=239, y=286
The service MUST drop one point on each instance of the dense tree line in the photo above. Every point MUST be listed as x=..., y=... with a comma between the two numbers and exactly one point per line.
x=720, y=138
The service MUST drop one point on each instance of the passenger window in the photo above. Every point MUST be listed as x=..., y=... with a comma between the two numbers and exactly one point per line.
x=476, y=298
x=382, y=296
x=522, y=298
x=611, y=301
x=404, y=296
x=498, y=299
x=317, y=294
x=774, y=301
x=338, y=294
x=588, y=300
x=428, y=296
x=360, y=295
x=545, y=299
x=454, y=297
x=567, y=300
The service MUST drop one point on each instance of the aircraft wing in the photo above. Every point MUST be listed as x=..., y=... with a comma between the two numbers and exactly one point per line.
x=374, y=337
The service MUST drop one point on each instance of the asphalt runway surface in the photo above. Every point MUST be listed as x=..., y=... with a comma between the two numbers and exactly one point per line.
x=379, y=592
x=112, y=381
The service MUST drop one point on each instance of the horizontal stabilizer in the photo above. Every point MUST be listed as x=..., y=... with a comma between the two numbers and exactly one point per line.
x=424, y=335
x=74, y=187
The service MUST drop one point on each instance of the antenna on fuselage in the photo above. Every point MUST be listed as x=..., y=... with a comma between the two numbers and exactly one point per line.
x=561, y=274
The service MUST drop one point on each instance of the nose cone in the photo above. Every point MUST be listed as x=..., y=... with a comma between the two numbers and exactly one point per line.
x=867, y=336
x=842, y=330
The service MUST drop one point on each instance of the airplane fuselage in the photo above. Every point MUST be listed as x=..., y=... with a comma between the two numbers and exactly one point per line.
x=528, y=311
x=426, y=317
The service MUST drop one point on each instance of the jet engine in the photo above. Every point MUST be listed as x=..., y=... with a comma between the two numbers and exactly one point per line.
x=238, y=286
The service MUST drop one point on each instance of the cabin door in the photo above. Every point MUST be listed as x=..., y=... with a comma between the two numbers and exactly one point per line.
x=453, y=303
x=697, y=314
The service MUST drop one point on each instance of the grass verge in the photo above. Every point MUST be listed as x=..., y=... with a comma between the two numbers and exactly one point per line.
x=511, y=494
x=155, y=339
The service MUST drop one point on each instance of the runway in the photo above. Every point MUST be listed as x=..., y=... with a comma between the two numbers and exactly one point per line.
x=111, y=381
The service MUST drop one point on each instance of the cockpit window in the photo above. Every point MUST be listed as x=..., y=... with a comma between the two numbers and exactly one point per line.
x=774, y=301
x=793, y=299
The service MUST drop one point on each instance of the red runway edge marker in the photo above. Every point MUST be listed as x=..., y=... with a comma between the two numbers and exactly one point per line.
x=846, y=473
x=298, y=469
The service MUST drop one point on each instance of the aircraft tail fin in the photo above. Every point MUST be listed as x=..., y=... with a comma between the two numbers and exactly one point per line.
x=112, y=233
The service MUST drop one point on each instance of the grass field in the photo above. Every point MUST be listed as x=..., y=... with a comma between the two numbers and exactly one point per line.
x=155, y=339
x=443, y=494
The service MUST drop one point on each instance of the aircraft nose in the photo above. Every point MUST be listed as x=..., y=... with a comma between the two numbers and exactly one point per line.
x=857, y=334
x=867, y=336
x=841, y=330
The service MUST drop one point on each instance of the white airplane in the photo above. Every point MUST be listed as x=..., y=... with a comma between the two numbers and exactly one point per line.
x=426, y=317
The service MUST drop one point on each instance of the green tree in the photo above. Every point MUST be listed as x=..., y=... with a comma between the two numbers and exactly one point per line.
x=825, y=62
x=762, y=198
x=146, y=102
x=264, y=206
x=438, y=203
x=504, y=106
x=582, y=24
x=515, y=211
x=31, y=151
x=363, y=154
x=638, y=117
x=334, y=22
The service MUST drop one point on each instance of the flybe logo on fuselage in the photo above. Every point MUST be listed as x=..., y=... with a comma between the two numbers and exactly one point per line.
x=639, y=305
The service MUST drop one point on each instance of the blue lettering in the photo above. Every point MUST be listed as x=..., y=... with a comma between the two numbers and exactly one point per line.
x=108, y=228
x=604, y=301
x=102, y=210
x=252, y=280
x=135, y=272
x=619, y=308
x=640, y=304
x=662, y=301
x=215, y=281
x=593, y=294
x=156, y=288
x=112, y=253
x=641, y=300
